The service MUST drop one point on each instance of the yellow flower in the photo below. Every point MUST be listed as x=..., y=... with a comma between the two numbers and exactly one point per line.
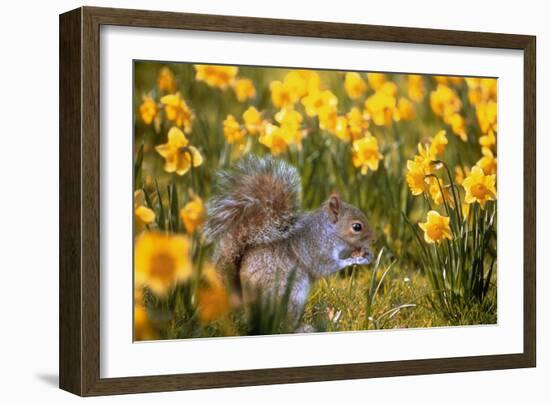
x=479, y=187
x=438, y=144
x=354, y=85
x=328, y=116
x=244, y=89
x=148, y=110
x=444, y=101
x=142, y=215
x=365, y=153
x=319, y=101
x=460, y=174
x=216, y=76
x=341, y=129
x=253, y=121
x=281, y=95
x=488, y=162
x=488, y=140
x=166, y=81
x=143, y=330
x=193, y=214
x=299, y=83
x=376, y=80
x=212, y=296
x=232, y=130
x=439, y=192
x=177, y=111
x=416, y=177
x=416, y=89
x=404, y=110
x=481, y=90
x=436, y=228
x=458, y=125
x=276, y=139
x=380, y=107
x=358, y=122
x=161, y=261
x=487, y=116
x=177, y=152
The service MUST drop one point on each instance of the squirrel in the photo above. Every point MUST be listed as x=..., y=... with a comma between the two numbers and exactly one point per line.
x=261, y=234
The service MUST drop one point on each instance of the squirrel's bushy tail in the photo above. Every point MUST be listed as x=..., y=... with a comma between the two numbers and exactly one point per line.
x=257, y=202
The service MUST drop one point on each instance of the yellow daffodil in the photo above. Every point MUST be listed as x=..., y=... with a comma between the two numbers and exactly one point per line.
x=481, y=90
x=341, y=129
x=358, y=122
x=404, y=110
x=365, y=153
x=487, y=116
x=216, y=76
x=416, y=177
x=276, y=139
x=253, y=121
x=232, y=130
x=193, y=214
x=299, y=83
x=142, y=215
x=488, y=140
x=458, y=125
x=177, y=111
x=436, y=228
x=244, y=89
x=439, y=192
x=212, y=296
x=143, y=330
x=380, y=106
x=328, y=116
x=166, y=81
x=460, y=174
x=444, y=101
x=438, y=144
x=148, y=109
x=488, y=163
x=479, y=187
x=281, y=95
x=415, y=87
x=179, y=155
x=161, y=261
x=354, y=85
x=376, y=80
x=318, y=101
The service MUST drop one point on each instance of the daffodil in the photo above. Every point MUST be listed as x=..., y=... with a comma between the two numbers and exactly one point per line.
x=318, y=101
x=276, y=138
x=341, y=129
x=416, y=177
x=281, y=95
x=488, y=140
x=439, y=192
x=178, y=154
x=481, y=90
x=438, y=144
x=299, y=83
x=415, y=87
x=404, y=110
x=161, y=261
x=148, y=109
x=460, y=174
x=458, y=125
x=253, y=121
x=380, y=106
x=244, y=89
x=177, y=111
x=354, y=85
x=143, y=215
x=376, y=80
x=479, y=187
x=232, y=130
x=212, y=296
x=436, y=228
x=143, y=330
x=166, y=81
x=488, y=163
x=365, y=153
x=358, y=122
x=328, y=116
x=193, y=214
x=216, y=76
x=487, y=116
x=444, y=101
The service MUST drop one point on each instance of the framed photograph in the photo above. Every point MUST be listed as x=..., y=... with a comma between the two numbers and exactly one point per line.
x=249, y=201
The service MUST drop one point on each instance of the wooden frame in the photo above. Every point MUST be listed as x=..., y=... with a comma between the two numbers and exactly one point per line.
x=79, y=200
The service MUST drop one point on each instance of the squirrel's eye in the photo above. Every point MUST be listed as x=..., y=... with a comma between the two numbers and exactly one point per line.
x=357, y=227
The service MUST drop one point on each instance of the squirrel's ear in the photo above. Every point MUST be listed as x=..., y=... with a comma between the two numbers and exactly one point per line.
x=333, y=206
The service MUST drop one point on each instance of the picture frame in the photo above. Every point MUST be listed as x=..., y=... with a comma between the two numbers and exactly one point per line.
x=80, y=155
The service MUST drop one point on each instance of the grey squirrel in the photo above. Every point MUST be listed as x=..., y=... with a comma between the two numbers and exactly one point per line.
x=261, y=234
